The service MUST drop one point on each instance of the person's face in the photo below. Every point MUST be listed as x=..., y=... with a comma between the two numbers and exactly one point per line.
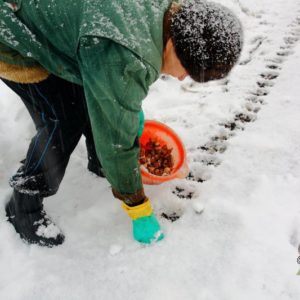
x=171, y=64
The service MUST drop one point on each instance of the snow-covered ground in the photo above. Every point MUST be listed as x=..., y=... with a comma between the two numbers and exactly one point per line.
x=242, y=136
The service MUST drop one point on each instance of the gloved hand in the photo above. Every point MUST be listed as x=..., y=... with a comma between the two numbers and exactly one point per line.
x=146, y=228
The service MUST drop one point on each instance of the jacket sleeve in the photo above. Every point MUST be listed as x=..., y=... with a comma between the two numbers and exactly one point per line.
x=115, y=83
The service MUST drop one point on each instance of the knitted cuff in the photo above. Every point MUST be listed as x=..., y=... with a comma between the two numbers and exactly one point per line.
x=139, y=211
x=22, y=74
x=130, y=199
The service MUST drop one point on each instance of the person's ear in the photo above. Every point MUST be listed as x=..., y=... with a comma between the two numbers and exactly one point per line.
x=169, y=45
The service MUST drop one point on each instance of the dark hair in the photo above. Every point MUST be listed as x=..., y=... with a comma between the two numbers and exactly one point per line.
x=207, y=38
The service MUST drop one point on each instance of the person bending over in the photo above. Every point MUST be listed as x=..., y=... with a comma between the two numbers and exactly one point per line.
x=83, y=68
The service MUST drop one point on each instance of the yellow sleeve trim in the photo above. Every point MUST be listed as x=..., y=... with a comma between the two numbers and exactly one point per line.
x=22, y=74
x=139, y=211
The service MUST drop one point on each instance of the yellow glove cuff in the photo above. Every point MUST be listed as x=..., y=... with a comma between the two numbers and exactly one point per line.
x=139, y=211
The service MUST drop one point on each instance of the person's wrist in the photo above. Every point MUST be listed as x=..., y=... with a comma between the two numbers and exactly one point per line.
x=130, y=199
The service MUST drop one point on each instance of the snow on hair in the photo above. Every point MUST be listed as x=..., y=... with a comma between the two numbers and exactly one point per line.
x=206, y=35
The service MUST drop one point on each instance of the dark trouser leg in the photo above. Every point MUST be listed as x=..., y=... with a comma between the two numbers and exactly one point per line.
x=58, y=112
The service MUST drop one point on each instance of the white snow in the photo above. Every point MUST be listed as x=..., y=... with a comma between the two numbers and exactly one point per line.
x=47, y=230
x=198, y=206
x=115, y=249
x=238, y=235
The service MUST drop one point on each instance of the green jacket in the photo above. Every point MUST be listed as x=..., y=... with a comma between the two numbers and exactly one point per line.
x=113, y=48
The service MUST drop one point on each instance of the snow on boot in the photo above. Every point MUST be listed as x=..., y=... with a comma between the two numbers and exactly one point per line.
x=25, y=212
x=145, y=226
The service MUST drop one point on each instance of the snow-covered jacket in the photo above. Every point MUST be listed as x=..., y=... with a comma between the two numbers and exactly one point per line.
x=113, y=48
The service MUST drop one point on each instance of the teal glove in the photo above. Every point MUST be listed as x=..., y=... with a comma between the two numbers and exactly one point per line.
x=146, y=228
x=141, y=124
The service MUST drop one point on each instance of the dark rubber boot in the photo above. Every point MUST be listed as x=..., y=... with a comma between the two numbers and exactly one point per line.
x=95, y=168
x=94, y=164
x=25, y=212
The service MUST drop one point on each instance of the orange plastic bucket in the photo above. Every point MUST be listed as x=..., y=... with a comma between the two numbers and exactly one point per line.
x=165, y=136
